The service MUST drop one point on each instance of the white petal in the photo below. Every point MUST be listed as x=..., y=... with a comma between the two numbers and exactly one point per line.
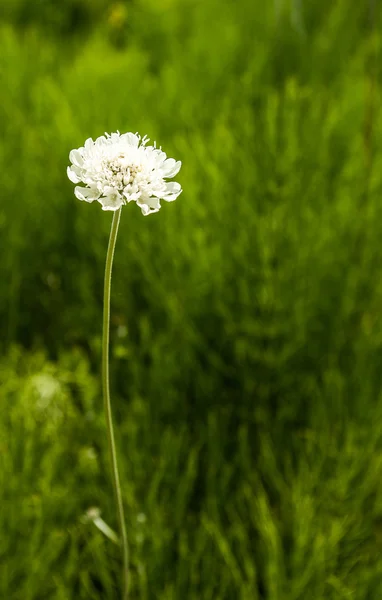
x=73, y=174
x=100, y=141
x=113, y=201
x=131, y=139
x=76, y=158
x=153, y=203
x=160, y=157
x=146, y=210
x=173, y=189
x=114, y=137
x=171, y=167
x=87, y=194
x=88, y=144
x=131, y=196
x=148, y=205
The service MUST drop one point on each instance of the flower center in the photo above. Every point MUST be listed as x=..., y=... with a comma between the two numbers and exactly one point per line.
x=120, y=173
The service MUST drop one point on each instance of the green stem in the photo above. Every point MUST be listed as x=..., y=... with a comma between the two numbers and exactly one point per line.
x=106, y=398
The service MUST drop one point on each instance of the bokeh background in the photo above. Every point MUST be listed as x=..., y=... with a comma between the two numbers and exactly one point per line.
x=246, y=316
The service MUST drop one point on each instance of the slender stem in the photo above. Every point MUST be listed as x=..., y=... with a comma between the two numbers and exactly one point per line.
x=106, y=398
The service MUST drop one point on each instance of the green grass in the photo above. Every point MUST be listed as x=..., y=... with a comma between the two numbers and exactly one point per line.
x=246, y=316
x=299, y=521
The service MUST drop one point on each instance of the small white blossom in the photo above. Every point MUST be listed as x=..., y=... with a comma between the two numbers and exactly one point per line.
x=119, y=168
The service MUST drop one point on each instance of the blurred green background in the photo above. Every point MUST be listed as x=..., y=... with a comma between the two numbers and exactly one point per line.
x=246, y=316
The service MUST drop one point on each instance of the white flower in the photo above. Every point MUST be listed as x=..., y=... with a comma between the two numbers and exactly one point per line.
x=117, y=169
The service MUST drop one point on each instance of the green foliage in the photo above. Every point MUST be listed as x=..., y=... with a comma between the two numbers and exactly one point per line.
x=246, y=327
x=64, y=17
x=294, y=522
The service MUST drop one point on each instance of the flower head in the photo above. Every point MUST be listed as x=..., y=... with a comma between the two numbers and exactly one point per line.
x=119, y=168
